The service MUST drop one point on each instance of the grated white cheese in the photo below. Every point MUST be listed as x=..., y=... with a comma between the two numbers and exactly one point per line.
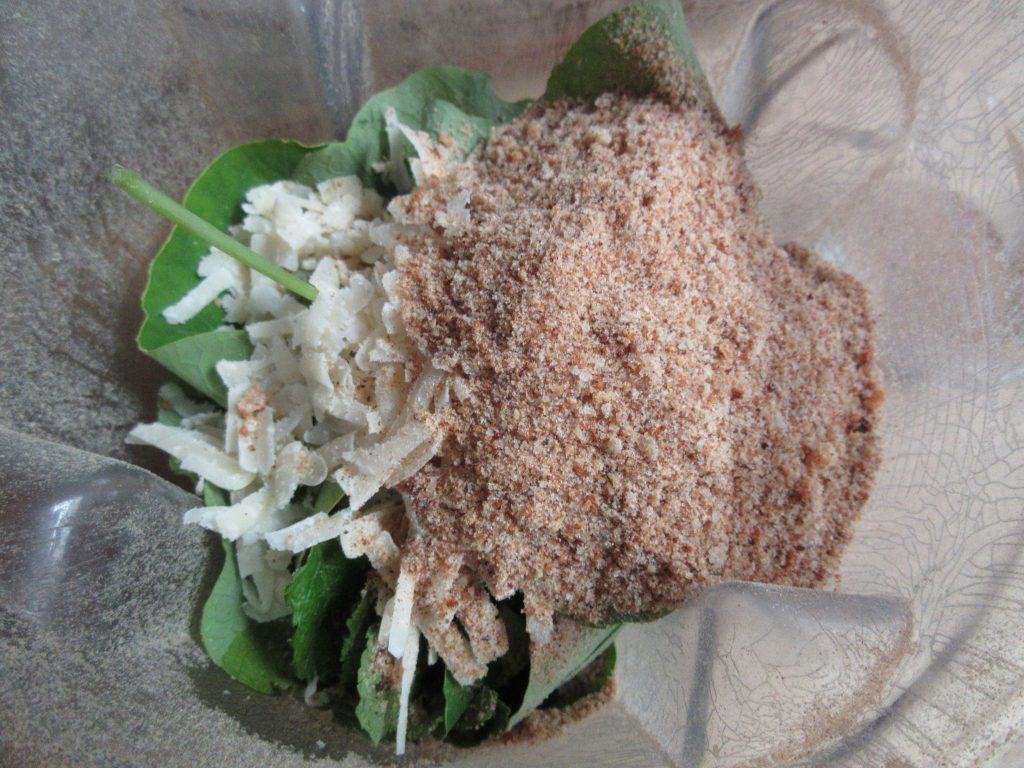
x=384, y=633
x=265, y=576
x=234, y=520
x=193, y=302
x=401, y=617
x=335, y=388
x=310, y=531
x=309, y=695
x=195, y=452
x=409, y=656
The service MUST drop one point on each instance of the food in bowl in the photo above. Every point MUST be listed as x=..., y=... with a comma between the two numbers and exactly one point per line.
x=492, y=379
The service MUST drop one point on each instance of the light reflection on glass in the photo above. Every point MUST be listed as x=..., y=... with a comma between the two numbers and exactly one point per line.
x=61, y=514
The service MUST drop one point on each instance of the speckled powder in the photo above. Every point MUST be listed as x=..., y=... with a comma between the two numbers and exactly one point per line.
x=658, y=396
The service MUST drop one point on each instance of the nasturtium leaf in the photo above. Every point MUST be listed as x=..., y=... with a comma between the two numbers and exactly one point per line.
x=328, y=497
x=591, y=679
x=354, y=642
x=572, y=647
x=486, y=716
x=214, y=496
x=260, y=657
x=194, y=359
x=168, y=416
x=252, y=654
x=378, y=684
x=467, y=131
x=322, y=589
x=427, y=100
x=457, y=699
x=480, y=709
x=499, y=723
x=640, y=49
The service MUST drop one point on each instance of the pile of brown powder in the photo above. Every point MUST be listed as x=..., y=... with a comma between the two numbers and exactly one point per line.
x=656, y=395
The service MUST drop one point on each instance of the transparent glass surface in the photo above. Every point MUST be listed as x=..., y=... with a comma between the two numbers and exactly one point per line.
x=886, y=135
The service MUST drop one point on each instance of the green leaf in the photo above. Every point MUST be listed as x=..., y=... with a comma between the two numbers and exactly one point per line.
x=457, y=699
x=480, y=708
x=168, y=416
x=474, y=713
x=467, y=131
x=571, y=648
x=260, y=658
x=591, y=679
x=216, y=196
x=378, y=684
x=214, y=496
x=486, y=716
x=321, y=591
x=328, y=497
x=255, y=655
x=620, y=53
x=449, y=100
x=194, y=359
x=158, y=202
x=356, y=627
x=223, y=619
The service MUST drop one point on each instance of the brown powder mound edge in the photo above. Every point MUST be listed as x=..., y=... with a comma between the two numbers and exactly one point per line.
x=657, y=396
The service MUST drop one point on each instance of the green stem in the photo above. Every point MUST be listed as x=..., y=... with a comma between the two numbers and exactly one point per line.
x=152, y=197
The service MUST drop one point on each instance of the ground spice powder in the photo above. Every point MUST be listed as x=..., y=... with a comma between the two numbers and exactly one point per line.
x=655, y=395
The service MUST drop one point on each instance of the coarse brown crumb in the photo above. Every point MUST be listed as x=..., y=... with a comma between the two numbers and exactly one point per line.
x=657, y=396
x=252, y=401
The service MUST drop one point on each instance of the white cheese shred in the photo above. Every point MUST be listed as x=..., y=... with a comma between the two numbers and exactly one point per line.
x=193, y=302
x=409, y=658
x=401, y=618
x=196, y=454
x=310, y=531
